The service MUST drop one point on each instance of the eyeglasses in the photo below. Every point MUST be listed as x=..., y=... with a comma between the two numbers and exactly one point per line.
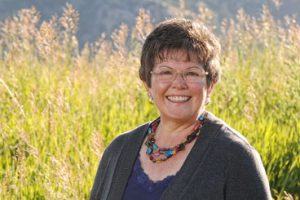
x=190, y=75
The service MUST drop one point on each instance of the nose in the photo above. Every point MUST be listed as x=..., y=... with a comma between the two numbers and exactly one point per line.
x=179, y=81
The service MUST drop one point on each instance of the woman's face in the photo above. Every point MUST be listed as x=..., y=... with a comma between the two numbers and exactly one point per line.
x=179, y=99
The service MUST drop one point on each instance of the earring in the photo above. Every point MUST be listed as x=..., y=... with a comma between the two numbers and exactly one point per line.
x=207, y=100
x=150, y=97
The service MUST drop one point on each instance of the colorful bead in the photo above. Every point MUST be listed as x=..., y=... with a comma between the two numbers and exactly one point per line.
x=152, y=140
x=189, y=138
x=201, y=117
x=197, y=126
x=168, y=153
x=149, y=150
x=148, y=143
x=157, y=154
x=181, y=147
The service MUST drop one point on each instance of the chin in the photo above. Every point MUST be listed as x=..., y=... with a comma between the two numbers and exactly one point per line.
x=181, y=116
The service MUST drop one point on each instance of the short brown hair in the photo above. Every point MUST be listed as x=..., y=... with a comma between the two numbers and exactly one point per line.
x=181, y=34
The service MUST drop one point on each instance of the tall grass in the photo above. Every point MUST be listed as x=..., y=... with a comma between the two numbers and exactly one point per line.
x=60, y=107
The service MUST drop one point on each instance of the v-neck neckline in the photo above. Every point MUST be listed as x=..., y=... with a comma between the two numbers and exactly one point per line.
x=130, y=152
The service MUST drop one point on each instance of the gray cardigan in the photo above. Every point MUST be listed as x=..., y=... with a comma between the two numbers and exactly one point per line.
x=221, y=165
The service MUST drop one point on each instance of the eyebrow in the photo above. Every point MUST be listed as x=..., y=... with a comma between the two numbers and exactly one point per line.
x=197, y=66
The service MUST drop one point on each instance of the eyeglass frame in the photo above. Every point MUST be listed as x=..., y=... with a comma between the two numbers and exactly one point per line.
x=182, y=74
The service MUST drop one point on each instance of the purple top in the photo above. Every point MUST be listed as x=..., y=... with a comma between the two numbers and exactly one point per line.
x=139, y=185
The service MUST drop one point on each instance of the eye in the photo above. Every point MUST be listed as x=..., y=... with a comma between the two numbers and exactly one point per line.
x=165, y=72
x=192, y=73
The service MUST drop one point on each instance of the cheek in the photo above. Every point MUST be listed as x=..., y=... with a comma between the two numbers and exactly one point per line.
x=200, y=93
x=159, y=88
x=199, y=89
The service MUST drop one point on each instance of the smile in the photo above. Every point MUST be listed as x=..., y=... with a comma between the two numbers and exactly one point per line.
x=178, y=99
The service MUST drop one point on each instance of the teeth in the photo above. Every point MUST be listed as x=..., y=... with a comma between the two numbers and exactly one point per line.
x=178, y=98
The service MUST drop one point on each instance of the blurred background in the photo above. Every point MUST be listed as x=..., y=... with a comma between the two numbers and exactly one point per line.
x=103, y=16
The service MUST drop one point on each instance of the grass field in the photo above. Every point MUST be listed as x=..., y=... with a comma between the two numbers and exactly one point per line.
x=60, y=107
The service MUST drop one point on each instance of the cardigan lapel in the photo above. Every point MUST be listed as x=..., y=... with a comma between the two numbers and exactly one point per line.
x=177, y=187
x=129, y=153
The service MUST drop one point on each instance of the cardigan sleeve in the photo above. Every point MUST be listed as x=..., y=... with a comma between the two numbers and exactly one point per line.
x=106, y=169
x=100, y=176
x=114, y=166
x=246, y=176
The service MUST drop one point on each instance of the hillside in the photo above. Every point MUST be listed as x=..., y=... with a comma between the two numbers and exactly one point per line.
x=97, y=16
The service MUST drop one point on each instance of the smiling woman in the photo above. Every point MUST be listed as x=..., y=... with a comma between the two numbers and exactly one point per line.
x=179, y=98
x=186, y=153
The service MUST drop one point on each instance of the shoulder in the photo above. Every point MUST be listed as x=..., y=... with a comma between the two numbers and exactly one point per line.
x=127, y=136
x=244, y=172
x=110, y=160
x=230, y=141
x=239, y=155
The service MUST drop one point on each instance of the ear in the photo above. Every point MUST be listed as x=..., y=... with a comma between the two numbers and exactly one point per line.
x=148, y=92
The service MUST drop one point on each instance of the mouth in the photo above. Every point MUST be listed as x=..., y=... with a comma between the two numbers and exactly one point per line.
x=178, y=99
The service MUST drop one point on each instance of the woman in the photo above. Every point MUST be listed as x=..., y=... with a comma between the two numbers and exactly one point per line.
x=187, y=153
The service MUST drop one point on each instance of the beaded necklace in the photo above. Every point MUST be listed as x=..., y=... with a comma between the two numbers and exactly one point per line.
x=157, y=154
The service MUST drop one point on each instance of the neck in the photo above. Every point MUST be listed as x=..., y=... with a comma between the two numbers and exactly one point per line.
x=175, y=130
x=173, y=127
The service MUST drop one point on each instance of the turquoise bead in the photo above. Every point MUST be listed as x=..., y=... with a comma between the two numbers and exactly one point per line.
x=154, y=146
x=201, y=117
x=168, y=153
x=149, y=150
